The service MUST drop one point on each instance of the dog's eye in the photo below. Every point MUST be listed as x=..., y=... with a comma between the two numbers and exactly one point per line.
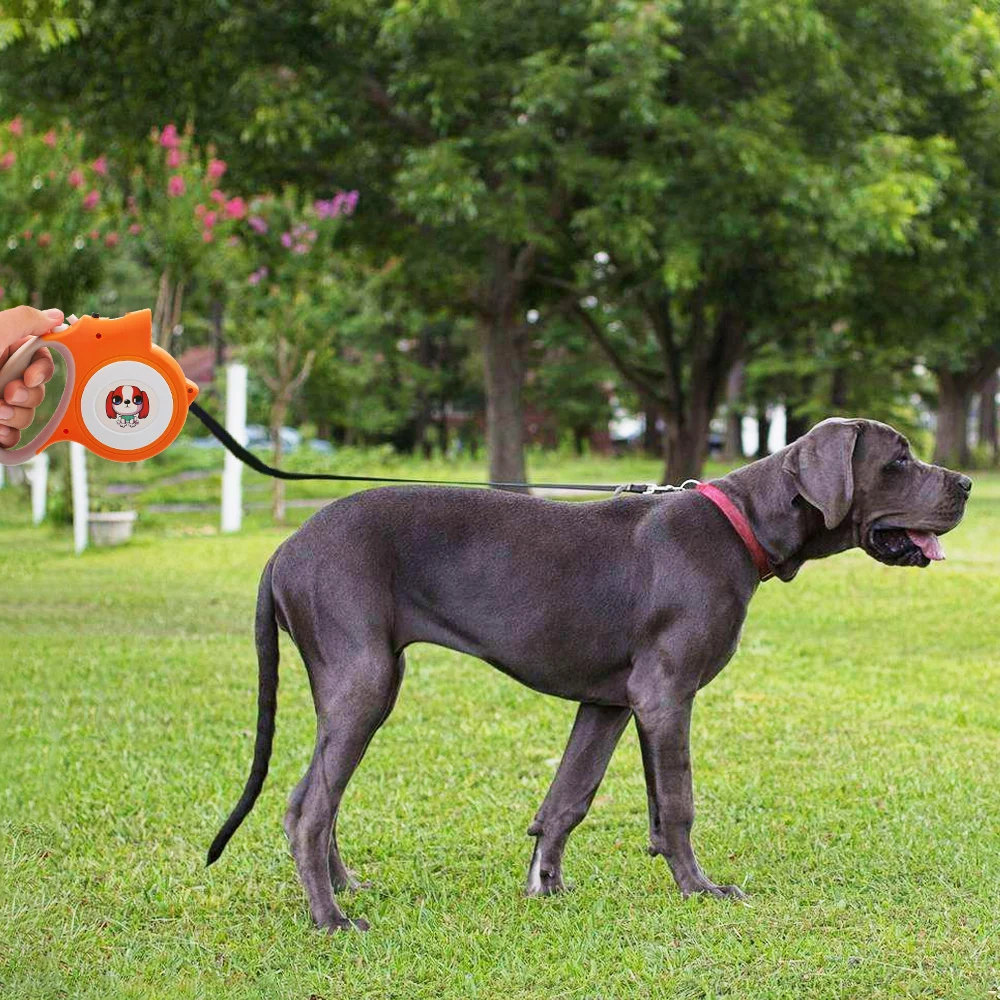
x=137, y=400
x=117, y=400
x=896, y=464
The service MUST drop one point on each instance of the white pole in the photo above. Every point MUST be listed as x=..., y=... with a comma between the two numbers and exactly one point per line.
x=2, y=477
x=38, y=475
x=81, y=504
x=236, y=424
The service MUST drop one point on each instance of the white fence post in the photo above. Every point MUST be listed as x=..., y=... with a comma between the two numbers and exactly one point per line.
x=37, y=471
x=236, y=424
x=81, y=503
x=3, y=478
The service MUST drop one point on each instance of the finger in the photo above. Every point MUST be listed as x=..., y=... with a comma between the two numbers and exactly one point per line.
x=23, y=321
x=40, y=370
x=18, y=394
x=8, y=437
x=19, y=417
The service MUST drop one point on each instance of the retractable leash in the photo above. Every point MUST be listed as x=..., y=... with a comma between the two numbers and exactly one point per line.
x=127, y=399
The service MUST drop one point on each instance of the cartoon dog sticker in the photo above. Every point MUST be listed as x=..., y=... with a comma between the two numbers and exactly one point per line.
x=127, y=405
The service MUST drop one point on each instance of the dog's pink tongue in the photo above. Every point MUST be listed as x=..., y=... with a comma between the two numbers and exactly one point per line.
x=928, y=543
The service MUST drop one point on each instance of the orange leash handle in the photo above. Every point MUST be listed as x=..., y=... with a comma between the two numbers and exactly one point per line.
x=125, y=398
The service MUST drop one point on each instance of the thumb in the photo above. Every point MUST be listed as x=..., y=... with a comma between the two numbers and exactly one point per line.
x=46, y=320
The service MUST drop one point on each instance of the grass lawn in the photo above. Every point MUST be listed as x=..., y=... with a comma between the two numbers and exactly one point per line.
x=846, y=770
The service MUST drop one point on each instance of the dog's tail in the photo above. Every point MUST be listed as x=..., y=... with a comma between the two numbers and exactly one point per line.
x=266, y=631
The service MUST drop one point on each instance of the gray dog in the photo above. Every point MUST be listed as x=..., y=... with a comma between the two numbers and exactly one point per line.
x=628, y=606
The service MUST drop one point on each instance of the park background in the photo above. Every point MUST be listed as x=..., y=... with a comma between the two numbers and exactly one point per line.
x=455, y=240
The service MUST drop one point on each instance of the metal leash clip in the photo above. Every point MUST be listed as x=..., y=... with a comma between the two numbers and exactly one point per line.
x=645, y=489
x=125, y=398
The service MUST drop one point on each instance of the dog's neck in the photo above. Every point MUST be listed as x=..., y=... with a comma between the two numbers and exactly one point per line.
x=789, y=528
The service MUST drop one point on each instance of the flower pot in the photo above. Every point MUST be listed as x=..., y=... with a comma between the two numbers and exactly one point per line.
x=112, y=527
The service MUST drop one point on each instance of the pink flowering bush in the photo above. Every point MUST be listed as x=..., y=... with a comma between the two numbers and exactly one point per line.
x=59, y=216
x=285, y=250
x=182, y=218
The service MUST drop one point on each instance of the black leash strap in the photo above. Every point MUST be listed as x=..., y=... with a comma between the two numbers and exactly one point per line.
x=249, y=458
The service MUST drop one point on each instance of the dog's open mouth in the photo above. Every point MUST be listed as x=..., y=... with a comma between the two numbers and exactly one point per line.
x=904, y=546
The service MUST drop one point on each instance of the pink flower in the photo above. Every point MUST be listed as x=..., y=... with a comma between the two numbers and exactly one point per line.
x=111, y=240
x=27, y=234
x=7, y=160
x=286, y=239
x=169, y=138
x=216, y=168
x=210, y=219
x=44, y=239
x=350, y=202
x=75, y=178
x=50, y=138
x=200, y=210
x=218, y=196
x=257, y=276
x=207, y=236
x=94, y=234
x=176, y=186
x=134, y=229
x=236, y=208
x=92, y=199
x=233, y=241
x=257, y=224
x=16, y=127
x=174, y=158
x=100, y=166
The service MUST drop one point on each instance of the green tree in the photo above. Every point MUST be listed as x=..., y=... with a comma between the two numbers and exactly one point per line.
x=738, y=161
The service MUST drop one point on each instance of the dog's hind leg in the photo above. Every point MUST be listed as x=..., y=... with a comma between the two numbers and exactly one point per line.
x=595, y=735
x=353, y=697
x=341, y=876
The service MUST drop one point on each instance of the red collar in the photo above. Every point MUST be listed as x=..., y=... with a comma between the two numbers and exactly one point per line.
x=741, y=526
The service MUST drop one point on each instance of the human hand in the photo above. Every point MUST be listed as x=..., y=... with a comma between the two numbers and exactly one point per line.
x=22, y=395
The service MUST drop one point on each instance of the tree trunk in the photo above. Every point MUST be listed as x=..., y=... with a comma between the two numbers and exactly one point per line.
x=218, y=338
x=504, y=377
x=989, y=427
x=732, y=449
x=278, y=410
x=763, y=429
x=951, y=444
x=652, y=437
x=795, y=425
x=685, y=441
x=504, y=337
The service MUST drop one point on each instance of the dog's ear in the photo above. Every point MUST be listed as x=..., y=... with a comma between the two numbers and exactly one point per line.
x=820, y=464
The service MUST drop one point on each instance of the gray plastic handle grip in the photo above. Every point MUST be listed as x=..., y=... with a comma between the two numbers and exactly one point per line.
x=15, y=456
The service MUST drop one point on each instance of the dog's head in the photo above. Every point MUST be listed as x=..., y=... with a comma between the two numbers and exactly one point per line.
x=862, y=476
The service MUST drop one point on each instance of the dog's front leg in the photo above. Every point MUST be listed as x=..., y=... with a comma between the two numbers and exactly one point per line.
x=663, y=719
x=595, y=735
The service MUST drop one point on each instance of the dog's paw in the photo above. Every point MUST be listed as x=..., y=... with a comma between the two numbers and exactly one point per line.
x=718, y=891
x=545, y=882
